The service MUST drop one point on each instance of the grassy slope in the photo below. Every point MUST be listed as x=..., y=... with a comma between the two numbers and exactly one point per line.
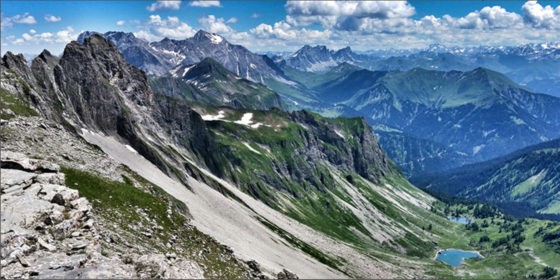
x=322, y=210
x=116, y=202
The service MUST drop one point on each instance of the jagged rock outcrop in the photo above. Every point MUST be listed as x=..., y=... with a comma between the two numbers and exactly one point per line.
x=49, y=231
x=361, y=154
x=159, y=58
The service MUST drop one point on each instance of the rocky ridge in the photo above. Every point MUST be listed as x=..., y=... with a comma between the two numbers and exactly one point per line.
x=48, y=230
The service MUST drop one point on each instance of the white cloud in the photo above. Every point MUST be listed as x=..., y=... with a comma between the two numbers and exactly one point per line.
x=120, y=22
x=255, y=15
x=487, y=18
x=232, y=20
x=157, y=28
x=62, y=36
x=214, y=25
x=205, y=4
x=308, y=12
x=354, y=22
x=539, y=16
x=164, y=4
x=52, y=18
x=26, y=37
x=26, y=18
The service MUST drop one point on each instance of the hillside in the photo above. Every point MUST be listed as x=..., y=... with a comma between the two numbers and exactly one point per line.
x=261, y=192
x=480, y=114
x=528, y=178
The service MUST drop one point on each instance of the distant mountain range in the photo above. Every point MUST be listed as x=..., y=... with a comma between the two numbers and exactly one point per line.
x=441, y=118
x=159, y=58
x=536, y=66
x=208, y=82
x=319, y=58
x=479, y=114
x=527, y=179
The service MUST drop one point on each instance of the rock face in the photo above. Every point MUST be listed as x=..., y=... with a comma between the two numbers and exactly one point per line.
x=97, y=81
x=48, y=231
x=159, y=58
x=320, y=58
x=210, y=83
x=312, y=59
x=43, y=231
x=363, y=155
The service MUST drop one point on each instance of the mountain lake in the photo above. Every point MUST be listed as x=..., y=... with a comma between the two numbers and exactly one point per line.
x=454, y=257
x=460, y=220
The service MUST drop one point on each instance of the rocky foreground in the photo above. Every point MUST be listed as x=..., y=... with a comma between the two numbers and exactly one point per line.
x=48, y=231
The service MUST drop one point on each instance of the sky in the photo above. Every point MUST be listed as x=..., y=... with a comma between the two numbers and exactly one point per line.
x=30, y=26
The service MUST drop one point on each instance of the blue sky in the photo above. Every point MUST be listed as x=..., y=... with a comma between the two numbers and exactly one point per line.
x=30, y=26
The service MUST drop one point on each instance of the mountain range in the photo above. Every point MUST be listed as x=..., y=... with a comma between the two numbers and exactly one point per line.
x=527, y=179
x=533, y=65
x=187, y=150
x=159, y=58
x=305, y=188
x=444, y=109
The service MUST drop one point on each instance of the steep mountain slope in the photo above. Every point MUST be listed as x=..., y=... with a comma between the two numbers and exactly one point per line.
x=287, y=192
x=138, y=52
x=479, y=113
x=311, y=59
x=529, y=177
x=210, y=83
x=418, y=156
x=160, y=57
x=319, y=58
x=96, y=95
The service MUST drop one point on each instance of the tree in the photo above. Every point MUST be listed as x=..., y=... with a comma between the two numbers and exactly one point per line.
x=484, y=238
x=548, y=272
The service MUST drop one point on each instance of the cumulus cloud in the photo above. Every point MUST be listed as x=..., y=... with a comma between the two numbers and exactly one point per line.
x=538, y=16
x=487, y=18
x=354, y=22
x=26, y=18
x=62, y=36
x=345, y=14
x=52, y=18
x=156, y=28
x=205, y=4
x=215, y=25
x=164, y=4
x=120, y=22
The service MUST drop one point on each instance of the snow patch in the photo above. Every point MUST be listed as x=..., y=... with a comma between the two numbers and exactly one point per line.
x=215, y=39
x=219, y=116
x=321, y=66
x=187, y=70
x=246, y=119
x=130, y=148
x=256, y=125
x=251, y=148
x=339, y=133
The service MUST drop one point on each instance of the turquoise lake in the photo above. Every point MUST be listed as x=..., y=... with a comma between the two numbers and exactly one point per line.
x=455, y=257
x=461, y=220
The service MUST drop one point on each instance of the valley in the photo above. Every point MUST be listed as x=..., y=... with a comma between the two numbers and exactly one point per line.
x=198, y=158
